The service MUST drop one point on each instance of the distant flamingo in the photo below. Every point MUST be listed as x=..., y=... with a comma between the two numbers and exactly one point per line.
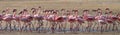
x=39, y=18
x=16, y=18
x=51, y=18
x=8, y=18
x=26, y=18
x=72, y=20
x=79, y=19
x=112, y=20
x=87, y=17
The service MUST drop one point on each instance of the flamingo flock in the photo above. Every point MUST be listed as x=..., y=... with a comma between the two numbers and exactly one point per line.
x=62, y=20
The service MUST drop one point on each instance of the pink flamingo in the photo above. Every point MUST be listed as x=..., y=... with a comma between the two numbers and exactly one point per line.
x=39, y=18
x=60, y=22
x=26, y=19
x=8, y=18
x=1, y=19
x=51, y=18
x=89, y=19
x=101, y=20
x=72, y=20
x=79, y=19
x=16, y=18
x=112, y=20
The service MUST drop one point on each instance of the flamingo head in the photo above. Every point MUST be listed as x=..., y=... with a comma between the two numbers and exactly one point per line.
x=3, y=11
x=54, y=12
x=39, y=7
x=110, y=12
x=106, y=12
x=94, y=10
x=62, y=9
x=118, y=14
x=107, y=9
x=8, y=9
x=98, y=9
x=85, y=11
x=25, y=10
x=14, y=10
x=74, y=10
x=20, y=12
x=32, y=8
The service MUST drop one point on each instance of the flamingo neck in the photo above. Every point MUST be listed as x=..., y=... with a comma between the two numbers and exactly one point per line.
x=85, y=13
x=7, y=12
x=14, y=13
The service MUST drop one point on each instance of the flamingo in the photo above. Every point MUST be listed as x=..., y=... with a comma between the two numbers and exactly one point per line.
x=26, y=18
x=39, y=18
x=101, y=20
x=51, y=18
x=79, y=19
x=16, y=18
x=8, y=18
x=1, y=19
x=112, y=20
x=72, y=20
x=89, y=18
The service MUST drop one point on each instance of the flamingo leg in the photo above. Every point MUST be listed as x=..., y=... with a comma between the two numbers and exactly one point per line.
x=81, y=26
x=10, y=26
x=48, y=26
x=29, y=25
x=88, y=27
x=77, y=26
x=71, y=27
x=113, y=29
x=101, y=28
x=15, y=26
x=6, y=27
x=40, y=24
x=91, y=26
x=33, y=27
x=53, y=27
x=60, y=26
x=98, y=26
x=116, y=27
x=19, y=26
x=64, y=28
x=94, y=26
x=1, y=25
x=106, y=27
x=24, y=27
x=109, y=26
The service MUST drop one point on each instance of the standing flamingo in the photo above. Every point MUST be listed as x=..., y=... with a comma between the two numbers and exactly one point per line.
x=87, y=17
x=8, y=18
x=101, y=20
x=79, y=19
x=16, y=18
x=72, y=21
x=51, y=18
x=39, y=18
x=112, y=20
x=26, y=18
